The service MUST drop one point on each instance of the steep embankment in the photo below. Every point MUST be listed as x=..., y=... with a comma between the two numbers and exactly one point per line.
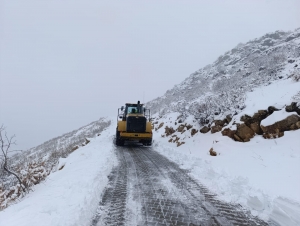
x=220, y=88
x=246, y=105
x=261, y=175
x=35, y=164
x=71, y=193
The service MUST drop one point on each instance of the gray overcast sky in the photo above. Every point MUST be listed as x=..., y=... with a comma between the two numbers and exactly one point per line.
x=64, y=64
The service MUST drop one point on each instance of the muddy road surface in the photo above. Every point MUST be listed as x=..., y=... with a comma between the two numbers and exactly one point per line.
x=148, y=189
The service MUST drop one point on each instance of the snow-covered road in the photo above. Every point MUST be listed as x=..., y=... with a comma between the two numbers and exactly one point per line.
x=148, y=189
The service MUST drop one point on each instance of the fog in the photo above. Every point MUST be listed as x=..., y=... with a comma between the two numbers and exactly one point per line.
x=64, y=64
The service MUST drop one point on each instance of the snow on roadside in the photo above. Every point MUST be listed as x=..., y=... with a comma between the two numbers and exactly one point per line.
x=69, y=196
x=261, y=175
x=276, y=117
x=278, y=94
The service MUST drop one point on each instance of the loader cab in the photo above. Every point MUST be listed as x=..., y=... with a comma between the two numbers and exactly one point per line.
x=133, y=109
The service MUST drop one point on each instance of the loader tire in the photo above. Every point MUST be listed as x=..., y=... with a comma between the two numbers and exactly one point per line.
x=119, y=141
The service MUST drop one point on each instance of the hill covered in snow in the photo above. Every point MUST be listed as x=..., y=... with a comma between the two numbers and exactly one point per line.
x=231, y=124
x=35, y=164
x=220, y=88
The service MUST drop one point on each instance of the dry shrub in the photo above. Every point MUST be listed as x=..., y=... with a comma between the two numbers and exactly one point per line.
x=296, y=77
x=9, y=195
x=33, y=173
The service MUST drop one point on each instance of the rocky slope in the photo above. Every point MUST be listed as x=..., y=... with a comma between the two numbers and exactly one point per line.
x=219, y=89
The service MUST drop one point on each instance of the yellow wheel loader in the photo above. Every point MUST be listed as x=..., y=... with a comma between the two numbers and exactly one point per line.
x=134, y=125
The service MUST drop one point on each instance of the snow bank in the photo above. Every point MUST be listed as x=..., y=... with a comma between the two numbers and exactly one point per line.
x=276, y=116
x=272, y=95
x=69, y=196
x=262, y=175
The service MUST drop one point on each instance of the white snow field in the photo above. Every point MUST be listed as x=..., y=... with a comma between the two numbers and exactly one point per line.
x=69, y=196
x=261, y=175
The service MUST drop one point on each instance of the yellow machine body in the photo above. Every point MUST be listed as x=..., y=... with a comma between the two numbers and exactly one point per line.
x=134, y=126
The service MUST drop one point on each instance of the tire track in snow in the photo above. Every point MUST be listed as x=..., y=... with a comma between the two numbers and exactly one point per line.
x=148, y=189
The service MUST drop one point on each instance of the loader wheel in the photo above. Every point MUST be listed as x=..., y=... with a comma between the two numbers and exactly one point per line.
x=149, y=143
x=119, y=142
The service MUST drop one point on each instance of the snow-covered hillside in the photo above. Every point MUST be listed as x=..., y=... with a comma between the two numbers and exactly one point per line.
x=220, y=88
x=35, y=164
x=261, y=175
x=71, y=193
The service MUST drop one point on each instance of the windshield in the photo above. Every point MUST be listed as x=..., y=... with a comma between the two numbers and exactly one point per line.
x=134, y=110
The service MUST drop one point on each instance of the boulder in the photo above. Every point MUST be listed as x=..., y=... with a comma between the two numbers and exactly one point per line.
x=205, y=129
x=180, y=128
x=189, y=126
x=228, y=118
x=169, y=130
x=219, y=122
x=160, y=125
x=87, y=141
x=212, y=152
x=244, y=132
x=293, y=108
x=180, y=143
x=295, y=126
x=256, y=128
x=193, y=132
x=228, y=132
x=237, y=138
x=176, y=140
x=260, y=115
x=245, y=118
x=271, y=109
x=291, y=61
x=257, y=117
x=283, y=125
x=215, y=129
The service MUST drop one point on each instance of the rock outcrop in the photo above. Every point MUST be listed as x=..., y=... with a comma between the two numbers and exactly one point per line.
x=252, y=125
x=281, y=126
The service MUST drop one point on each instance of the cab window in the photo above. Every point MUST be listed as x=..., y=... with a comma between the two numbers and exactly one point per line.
x=132, y=110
